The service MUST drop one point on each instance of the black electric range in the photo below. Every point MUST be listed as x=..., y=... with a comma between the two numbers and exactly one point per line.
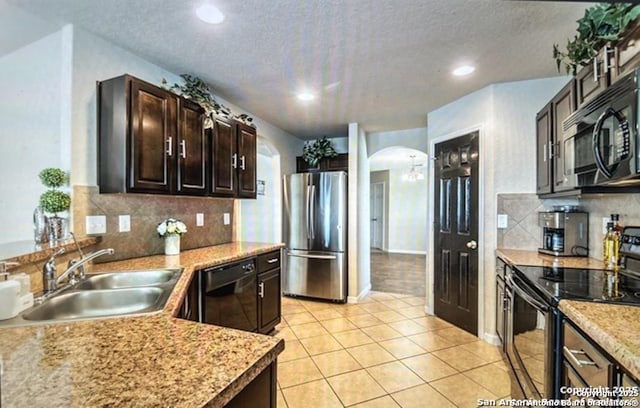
x=555, y=282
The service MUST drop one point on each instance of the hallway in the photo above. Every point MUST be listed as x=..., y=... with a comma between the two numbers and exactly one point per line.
x=398, y=273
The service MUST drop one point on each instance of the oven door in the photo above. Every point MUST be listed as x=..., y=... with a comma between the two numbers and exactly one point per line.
x=530, y=350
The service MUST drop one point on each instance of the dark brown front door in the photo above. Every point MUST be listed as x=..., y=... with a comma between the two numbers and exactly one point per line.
x=456, y=232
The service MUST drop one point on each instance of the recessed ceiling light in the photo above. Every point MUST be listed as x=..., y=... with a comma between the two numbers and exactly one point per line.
x=463, y=70
x=209, y=14
x=306, y=96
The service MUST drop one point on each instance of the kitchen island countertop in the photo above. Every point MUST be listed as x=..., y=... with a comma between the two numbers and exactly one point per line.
x=151, y=360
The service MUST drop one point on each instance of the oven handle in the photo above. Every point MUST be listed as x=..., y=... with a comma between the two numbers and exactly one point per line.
x=526, y=296
x=597, y=129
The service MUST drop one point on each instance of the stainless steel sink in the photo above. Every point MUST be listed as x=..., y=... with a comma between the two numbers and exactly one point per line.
x=116, y=280
x=104, y=295
x=98, y=303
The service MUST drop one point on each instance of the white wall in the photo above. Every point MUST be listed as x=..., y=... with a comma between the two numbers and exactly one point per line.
x=49, y=116
x=407, y=215
x=412, y=138
x=31, y=121
x=358, y=232
x=505, y=114
x=260, y=220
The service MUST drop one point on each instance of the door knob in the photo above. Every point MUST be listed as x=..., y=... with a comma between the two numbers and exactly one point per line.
x=472, y=244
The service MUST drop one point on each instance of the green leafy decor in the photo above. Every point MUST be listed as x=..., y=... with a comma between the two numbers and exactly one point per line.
x=602, y=23
x=54, y=201
x=312, y=153
x=198, y=91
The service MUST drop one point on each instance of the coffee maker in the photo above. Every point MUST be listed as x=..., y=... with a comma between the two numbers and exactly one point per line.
x=564, y=233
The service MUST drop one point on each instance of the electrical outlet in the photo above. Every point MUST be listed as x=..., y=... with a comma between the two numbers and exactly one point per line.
x=124, y=223
x=605, y=221
x=199, y=219
x=96, y=224
x=503, y=221
x=227, y=218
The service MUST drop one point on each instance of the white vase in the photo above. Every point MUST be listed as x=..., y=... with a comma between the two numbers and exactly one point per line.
x=172, y=244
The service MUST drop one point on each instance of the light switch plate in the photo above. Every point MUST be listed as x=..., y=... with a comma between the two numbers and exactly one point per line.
x=96, y=224
x=503, y=221
x=227, y=218
x=124, y=223
x=199, y=219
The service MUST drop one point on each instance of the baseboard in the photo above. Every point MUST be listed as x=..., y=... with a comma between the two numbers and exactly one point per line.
x=429, y=310
x=401, y=251
x=492, y=339
x=356, y=299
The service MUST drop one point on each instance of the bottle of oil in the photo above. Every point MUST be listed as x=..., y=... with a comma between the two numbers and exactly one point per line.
x=611, y=248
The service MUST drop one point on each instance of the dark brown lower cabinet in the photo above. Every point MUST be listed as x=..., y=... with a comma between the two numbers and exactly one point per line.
x=269, y=302
x=260, y=393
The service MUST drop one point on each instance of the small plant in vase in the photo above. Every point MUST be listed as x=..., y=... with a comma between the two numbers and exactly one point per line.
x=312, y=153
x=171, y=229
x=53, y=201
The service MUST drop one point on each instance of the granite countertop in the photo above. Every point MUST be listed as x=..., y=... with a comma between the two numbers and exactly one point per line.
x=615, y=328
x=534, y=258
x=153, y=360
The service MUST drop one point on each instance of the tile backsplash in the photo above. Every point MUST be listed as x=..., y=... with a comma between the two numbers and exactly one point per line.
x=522, y=210
x=147, y=211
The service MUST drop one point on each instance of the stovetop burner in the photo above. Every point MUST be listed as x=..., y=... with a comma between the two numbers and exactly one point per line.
x=585, y=284
x=598, y=285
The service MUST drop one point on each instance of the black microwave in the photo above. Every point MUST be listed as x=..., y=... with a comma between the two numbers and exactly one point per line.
x=600, y=140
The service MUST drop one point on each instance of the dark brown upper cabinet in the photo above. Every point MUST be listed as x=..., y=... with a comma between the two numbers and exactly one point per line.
x=544, y=142
x=150, y=140
x=338, y=163
x=233, y=152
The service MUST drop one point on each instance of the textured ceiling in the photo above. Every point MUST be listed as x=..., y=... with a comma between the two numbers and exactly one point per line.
x=382, y=63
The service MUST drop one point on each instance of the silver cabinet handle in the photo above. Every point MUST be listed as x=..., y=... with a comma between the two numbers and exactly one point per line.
x=234, y=161
x=169, y=146
x=571, y=354
x=595, y=69
x=242, y=162
x=183, y=149
x=550, y=147
x=261, y=289
x=272, y=261
x=544, y=153
x=472, y=244
x=607, y=65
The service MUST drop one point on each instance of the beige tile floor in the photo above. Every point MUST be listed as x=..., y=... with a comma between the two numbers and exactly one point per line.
x=383, y=352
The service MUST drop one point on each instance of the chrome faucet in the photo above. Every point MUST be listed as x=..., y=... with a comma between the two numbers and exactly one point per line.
x=70, y=276
x=49, y=272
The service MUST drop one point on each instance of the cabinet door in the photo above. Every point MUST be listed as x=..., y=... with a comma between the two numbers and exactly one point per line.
x=152, y=139
x=225, y=158
x=190, y=309
x=269, y=301
x=590, y=83
x=543, y=147
x=191, y=150
x=626, y=53
x=338, y=163
x=562, y=105
x=500, y=309
x=246, y=161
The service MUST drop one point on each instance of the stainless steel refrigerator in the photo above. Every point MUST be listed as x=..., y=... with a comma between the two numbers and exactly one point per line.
x=315, y=235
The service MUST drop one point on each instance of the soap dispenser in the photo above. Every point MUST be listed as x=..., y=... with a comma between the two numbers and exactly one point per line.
x=9, y=297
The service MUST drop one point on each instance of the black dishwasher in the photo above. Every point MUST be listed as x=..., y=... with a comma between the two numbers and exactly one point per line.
x=229, y=295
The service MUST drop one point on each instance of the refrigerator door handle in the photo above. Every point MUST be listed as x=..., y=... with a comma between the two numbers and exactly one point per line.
x=312, y=212
x=311, y=256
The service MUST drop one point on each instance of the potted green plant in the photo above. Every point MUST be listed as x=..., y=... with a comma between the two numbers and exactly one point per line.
x=53, y=201
x=313, y=152
x=602, y=23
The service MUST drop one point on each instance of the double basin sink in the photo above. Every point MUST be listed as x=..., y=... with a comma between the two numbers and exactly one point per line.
x=104, y=295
